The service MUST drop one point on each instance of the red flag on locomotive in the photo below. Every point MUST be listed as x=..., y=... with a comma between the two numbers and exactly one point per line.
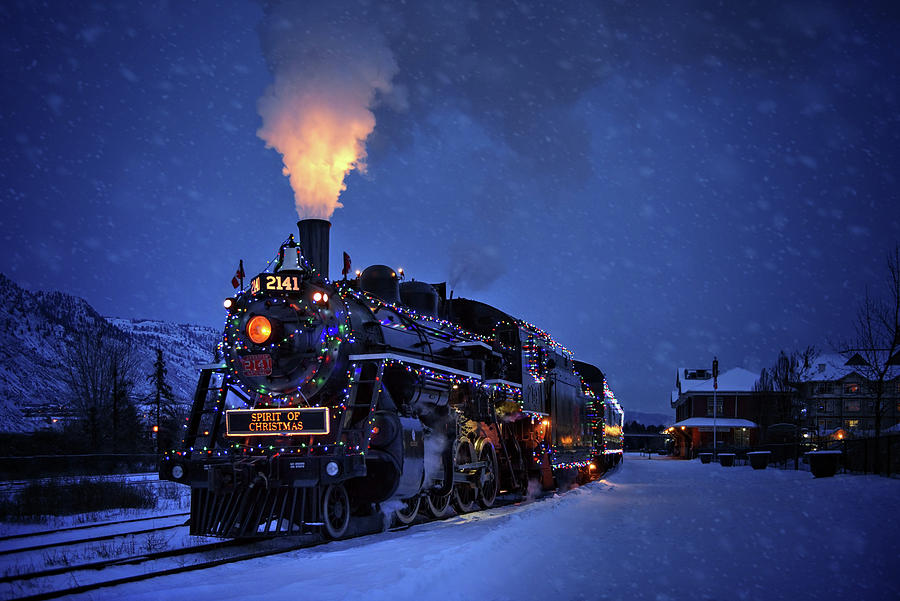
x=346, y=268
x=238, y=276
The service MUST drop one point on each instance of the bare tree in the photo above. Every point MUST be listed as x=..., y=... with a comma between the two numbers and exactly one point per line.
x=876, y=340
x=788, y=372
x=783, y=382
x=99, y=369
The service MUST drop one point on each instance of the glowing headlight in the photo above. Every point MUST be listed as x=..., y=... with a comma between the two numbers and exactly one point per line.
x=317, y=297
x=259, y=329
x=332, y=468
x=177, y=472
x=228, y=303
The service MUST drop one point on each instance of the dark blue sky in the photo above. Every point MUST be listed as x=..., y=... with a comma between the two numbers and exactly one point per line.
x=654, y=185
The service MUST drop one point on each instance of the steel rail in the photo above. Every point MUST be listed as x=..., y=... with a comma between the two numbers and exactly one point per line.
x=85, y=526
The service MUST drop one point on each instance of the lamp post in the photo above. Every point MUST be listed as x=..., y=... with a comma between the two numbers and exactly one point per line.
x=715, y=371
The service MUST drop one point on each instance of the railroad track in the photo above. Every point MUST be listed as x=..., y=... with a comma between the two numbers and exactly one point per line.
x=40, y=584
x=87, y=526
x=22, y=543
x=56, y=582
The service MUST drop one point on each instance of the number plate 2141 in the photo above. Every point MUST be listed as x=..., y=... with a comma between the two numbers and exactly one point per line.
x=268, y=282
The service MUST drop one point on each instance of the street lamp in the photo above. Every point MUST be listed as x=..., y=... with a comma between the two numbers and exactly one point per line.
x=715, y=371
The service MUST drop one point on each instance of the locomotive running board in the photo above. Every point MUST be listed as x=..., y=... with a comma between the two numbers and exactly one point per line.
x=415, y=361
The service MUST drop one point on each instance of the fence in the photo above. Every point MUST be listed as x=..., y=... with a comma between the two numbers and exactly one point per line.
x=859, y=454
x=43, y=466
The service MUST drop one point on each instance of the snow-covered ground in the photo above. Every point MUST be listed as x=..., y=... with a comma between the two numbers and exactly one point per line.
x=657, y=529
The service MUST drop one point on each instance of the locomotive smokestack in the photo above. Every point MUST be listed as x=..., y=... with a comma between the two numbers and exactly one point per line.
x=314, y=243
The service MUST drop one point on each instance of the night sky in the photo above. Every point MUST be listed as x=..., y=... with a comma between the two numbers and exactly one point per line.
x=654, y=185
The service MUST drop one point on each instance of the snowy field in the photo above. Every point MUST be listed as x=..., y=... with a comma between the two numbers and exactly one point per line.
x=657, y=529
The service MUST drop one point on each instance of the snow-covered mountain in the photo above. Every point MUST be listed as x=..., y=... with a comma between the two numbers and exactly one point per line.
x=35, y=325
x=649, y=419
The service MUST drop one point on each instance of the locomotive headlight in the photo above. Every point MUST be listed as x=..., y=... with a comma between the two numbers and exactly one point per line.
x=228, y=303
x=259, y=329
x=332, y=468
x=177, y=472
x=317, y=297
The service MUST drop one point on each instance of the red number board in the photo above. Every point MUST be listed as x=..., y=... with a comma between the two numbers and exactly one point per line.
x=257, y=365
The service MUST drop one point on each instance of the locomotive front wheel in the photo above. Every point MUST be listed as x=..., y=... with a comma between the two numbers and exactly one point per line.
x=438, y=506
x=464, y=494
x=336, y=510
x=490, y=476
x=408, y=513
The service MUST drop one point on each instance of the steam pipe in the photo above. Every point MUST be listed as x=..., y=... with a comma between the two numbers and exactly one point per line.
x=314, y=234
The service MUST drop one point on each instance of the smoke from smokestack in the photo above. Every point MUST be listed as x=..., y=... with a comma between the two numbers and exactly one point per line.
x=474, y=266
x=328, y=70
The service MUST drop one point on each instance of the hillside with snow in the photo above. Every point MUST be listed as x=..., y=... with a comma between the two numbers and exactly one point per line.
x=35, y=328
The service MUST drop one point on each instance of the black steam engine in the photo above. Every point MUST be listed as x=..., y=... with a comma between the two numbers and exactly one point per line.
x=335, y=400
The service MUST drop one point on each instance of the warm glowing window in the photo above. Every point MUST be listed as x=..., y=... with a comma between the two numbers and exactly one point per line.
x=709, y=406
x=851, y=388
x=853, y=423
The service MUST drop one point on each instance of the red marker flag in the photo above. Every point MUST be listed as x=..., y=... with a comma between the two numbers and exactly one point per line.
x=346, y=268
x=238, y=276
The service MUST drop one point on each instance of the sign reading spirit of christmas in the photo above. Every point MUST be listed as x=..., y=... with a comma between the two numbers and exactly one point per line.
x=277, y=422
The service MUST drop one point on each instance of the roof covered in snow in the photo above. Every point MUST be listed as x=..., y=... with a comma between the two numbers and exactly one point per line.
x=720, y=422
x=835, y=366
x=737, y=379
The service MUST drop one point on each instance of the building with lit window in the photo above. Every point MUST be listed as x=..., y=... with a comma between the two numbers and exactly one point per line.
x=840, y=400
x=742, y=414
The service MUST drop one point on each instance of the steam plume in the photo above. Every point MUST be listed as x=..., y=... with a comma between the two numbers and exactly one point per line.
x=328, y=70
x=475, y=266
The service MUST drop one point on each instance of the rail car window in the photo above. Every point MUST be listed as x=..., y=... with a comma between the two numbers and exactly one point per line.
x=567, y=416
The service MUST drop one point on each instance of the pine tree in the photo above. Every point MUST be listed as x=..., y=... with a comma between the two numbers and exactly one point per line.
x=166, y=409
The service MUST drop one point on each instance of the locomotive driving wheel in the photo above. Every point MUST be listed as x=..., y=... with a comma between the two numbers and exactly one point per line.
x=464, y=494
x=490, y=477
x=335, y=510
x=438, y=506
x=408, y=512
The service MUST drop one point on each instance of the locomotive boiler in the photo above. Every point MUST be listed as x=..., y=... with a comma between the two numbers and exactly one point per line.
x=336, y=400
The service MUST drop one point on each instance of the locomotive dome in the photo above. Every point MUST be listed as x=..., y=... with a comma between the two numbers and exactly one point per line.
x=381, y=281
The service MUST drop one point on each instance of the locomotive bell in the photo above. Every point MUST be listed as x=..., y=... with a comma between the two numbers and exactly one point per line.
x=293, y=259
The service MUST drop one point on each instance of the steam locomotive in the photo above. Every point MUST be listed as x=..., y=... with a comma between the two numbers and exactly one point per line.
x=337, y=400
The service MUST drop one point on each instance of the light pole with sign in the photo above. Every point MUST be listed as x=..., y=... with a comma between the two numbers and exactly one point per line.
x=715, y=371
